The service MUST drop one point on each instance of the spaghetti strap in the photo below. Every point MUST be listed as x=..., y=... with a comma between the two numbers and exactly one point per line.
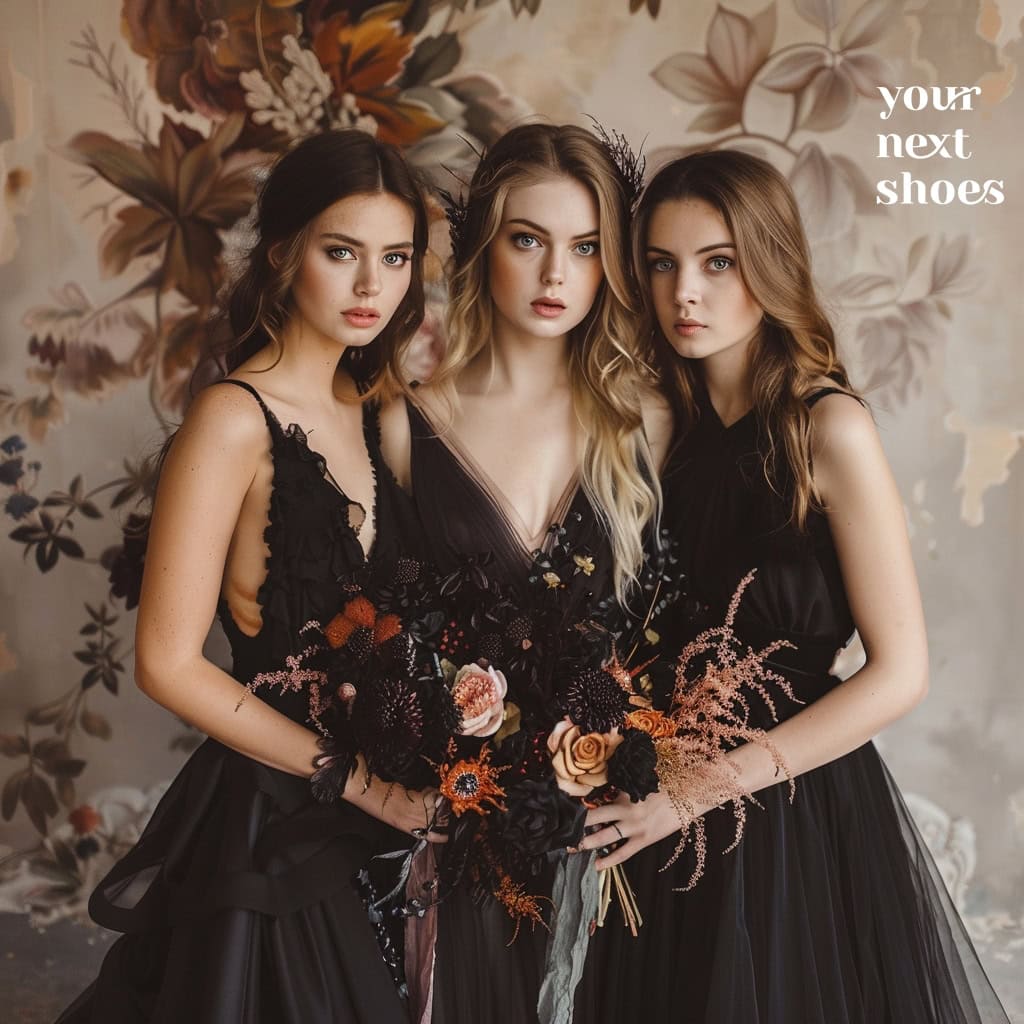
x=273, y=423
x=815, y=396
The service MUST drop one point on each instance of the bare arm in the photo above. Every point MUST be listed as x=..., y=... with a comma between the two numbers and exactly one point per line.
x=865, y=515
x=209, y=469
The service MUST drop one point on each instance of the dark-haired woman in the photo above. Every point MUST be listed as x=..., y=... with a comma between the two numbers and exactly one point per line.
x=237, y=903
x=830, y=910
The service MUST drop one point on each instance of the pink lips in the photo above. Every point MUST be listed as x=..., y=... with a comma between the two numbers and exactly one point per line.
x=548, y=308
x=360, y=316
x=688, y=328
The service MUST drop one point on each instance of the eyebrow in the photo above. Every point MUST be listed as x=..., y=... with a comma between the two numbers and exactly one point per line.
x=703, y=249
x=544, y=231
x=355, y=243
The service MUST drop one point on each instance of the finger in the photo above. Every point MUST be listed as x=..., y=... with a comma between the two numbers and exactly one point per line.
x=603, y=837
x=603, y=814
x=619, y=856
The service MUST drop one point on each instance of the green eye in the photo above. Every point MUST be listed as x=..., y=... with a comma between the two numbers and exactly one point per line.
x=586, y=248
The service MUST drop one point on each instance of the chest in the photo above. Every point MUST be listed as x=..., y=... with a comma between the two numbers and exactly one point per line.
x=528, y=459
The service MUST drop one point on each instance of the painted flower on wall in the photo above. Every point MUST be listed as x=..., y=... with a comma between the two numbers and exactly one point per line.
x=364, y=60
x=188, y=189
x=196, y=48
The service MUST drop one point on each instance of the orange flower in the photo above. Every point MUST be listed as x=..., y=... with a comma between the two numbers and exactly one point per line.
x=359, y=613
x=580, y=760
x=470, y=783
x=85, y=819
x=365, y=60
x=654, y=723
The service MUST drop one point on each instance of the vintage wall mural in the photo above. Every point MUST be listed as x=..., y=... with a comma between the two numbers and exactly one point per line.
x=132, y=137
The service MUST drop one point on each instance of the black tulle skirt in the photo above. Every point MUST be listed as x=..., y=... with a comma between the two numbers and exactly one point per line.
x=830, y=911
x=238, y=906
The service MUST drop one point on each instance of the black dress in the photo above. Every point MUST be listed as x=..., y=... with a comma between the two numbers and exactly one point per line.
x=237, y=902
x=831, y=910
x=481, y=974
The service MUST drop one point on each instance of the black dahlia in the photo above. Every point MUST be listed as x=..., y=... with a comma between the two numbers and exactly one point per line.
x=595, y=701
x=632, y=768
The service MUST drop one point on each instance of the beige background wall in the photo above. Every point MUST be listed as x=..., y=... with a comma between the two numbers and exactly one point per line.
x=101, y=282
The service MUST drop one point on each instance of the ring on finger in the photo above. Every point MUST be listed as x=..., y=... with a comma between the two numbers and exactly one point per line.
x=615, y=825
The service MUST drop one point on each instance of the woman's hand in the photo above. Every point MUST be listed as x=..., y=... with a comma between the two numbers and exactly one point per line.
x=414, y=812
x=639, y=824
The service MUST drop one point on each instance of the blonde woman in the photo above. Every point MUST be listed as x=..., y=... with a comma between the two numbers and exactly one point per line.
x=533, y=418
x=830, y=910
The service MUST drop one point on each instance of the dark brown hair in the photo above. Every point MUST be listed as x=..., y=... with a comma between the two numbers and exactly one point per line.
x=313, y=175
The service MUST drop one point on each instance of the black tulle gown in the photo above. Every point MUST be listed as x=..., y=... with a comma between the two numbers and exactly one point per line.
x=480, y=974
x=237, y=904
x=831, y=910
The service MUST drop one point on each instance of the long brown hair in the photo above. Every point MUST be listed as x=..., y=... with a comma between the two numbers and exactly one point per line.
x=617, y=474
x=796, y=345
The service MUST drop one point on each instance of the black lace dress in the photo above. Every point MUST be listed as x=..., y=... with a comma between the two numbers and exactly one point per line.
x=237, y=902
x=831, y=910
x=480, y=973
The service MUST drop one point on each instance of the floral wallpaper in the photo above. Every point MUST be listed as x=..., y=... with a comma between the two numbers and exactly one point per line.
x=131, y=138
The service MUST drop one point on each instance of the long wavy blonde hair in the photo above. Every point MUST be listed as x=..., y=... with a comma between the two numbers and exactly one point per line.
x=607, y=379
x=796, y=345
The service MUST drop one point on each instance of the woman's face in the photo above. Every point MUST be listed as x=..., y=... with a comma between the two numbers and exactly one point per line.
x=355, y=269
x=700, y=300
x=545, y=262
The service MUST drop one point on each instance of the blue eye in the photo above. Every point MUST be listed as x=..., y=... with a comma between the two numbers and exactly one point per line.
x=586, y=248
x=661, y=266
x=396, y=259
x=340, y=252
x=524, y=241
x=720, y=263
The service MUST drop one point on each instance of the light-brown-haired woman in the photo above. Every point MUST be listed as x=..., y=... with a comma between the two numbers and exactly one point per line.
x=830, y=910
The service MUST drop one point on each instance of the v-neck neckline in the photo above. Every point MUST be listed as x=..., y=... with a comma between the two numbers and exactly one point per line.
x=510, y=516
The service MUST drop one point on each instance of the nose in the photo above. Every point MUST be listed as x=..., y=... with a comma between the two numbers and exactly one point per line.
x=368, y=279
x=686, y=290
x=553, y=271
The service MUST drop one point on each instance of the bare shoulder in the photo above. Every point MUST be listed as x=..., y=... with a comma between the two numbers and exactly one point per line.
x=846, y=448
x=841, y=419
x=227, y=412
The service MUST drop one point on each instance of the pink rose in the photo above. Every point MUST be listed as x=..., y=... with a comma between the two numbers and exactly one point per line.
x=479, y=693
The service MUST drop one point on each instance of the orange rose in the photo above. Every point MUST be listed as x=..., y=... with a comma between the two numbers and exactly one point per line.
x=580, y=760
x=654, y=723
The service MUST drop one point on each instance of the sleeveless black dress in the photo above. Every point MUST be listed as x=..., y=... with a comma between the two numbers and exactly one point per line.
x=237, y=902
x=831, y=910
x=481, y=974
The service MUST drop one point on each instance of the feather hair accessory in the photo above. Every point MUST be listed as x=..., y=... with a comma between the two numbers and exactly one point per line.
x=631, y=165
